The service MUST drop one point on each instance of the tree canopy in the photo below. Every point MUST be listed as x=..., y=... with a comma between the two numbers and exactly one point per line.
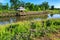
x=15, y=4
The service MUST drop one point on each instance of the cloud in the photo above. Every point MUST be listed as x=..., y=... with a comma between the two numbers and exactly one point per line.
x=57, y=6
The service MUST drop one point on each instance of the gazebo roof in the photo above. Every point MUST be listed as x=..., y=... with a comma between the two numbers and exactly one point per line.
x=21, y=8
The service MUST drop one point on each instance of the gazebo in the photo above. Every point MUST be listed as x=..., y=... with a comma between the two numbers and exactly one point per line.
x=21, y=9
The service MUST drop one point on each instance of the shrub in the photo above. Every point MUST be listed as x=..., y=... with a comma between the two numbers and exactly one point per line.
x=56, y=23
x=48, y=23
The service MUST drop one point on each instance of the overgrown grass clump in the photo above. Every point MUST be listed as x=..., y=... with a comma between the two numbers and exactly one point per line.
x=29, y=30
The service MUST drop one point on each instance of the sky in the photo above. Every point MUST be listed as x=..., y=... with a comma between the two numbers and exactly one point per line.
x=56, y=3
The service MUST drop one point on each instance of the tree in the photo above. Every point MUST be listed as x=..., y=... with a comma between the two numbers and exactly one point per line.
x=27, y=5
x=36, y=8
x=31, y=7
x=52, y=7
x=14, y=4
x=45, y=6
x=7, y=6
x=4, y=7
x=22, y=3
x=0, y=6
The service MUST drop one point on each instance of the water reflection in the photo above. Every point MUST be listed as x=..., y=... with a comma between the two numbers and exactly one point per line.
x=8, y=20
x=53, y=16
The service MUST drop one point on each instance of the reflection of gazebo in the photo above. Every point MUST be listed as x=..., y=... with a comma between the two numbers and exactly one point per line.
x=21, y=9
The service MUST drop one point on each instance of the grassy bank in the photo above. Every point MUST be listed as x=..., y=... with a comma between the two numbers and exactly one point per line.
x=42, y=30
x=9, y=13
x=49, y=11
x=14, y=11
x=54, y=11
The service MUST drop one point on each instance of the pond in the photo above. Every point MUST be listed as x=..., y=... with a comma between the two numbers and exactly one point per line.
x=9, y=20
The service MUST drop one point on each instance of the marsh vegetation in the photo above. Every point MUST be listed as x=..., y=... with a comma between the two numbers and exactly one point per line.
x=31, y=30
x=44, y=26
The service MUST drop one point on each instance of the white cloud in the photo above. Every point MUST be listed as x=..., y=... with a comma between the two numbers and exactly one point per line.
x=57, y=6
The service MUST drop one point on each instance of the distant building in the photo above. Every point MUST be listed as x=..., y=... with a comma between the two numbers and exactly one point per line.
x=21, y=9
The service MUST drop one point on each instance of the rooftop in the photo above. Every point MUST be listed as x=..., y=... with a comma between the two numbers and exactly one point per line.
x=21, y=8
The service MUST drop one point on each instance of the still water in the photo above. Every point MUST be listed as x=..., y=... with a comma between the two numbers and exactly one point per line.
x=8, y=20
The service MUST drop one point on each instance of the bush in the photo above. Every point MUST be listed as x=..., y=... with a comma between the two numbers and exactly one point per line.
x=48, y=23
x=56, y=23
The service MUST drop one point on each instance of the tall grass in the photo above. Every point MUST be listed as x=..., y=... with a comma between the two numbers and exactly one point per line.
x=29, y=30
x=7, y=11
x=54, y=11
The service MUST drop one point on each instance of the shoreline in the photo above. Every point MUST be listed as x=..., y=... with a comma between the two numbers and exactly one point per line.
x=22, y=14
x=12, y=14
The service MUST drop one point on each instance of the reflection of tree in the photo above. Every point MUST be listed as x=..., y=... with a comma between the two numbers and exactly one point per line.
x=22, y=18
x=51, y=15
x=7, y=19
x=44, y=16
x=32, y=17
